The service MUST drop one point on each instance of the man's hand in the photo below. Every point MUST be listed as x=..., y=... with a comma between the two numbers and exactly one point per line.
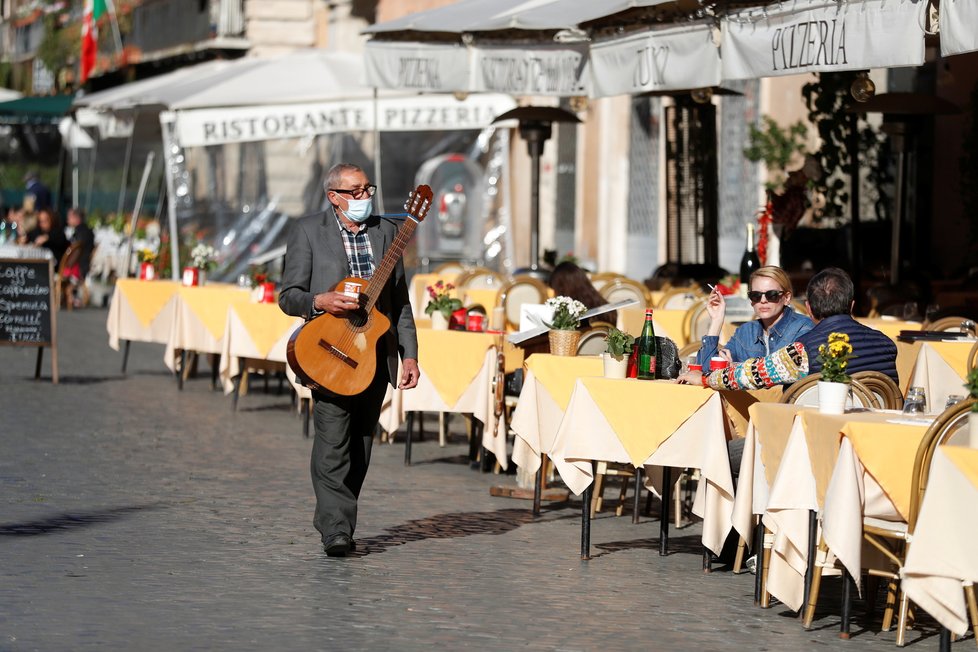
x=409, y=374
x=335, y=303
x=690, y=378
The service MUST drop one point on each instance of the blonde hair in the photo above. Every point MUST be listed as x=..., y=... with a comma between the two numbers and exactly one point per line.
x=776, y=274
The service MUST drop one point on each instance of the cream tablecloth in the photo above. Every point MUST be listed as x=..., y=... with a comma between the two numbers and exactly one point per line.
x=200, y=317
x=942, y=553
x=650, y=423
x=546, y=392
x=258, y=331
x=457, y=370
x=790, y=454
x=940, y=369
x=141, y=311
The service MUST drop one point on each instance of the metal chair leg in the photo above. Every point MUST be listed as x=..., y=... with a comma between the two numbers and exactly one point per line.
x=969, y=593
x=812, y=595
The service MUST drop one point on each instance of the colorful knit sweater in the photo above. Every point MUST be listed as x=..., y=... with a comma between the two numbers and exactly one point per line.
x=782, y=367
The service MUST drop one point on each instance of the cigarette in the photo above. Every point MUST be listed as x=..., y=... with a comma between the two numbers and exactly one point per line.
x=712, y=287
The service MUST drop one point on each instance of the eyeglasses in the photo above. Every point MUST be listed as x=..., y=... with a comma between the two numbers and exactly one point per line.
x=770, y=295
x=357, y=193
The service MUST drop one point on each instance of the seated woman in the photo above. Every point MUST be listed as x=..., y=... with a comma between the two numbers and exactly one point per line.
x=569, y=280
x=777, y=324
x=48, y=233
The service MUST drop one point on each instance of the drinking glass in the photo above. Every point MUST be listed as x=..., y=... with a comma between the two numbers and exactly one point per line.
x=916, y=402
x=953, y=399
x=244, y=281
x=931, y=311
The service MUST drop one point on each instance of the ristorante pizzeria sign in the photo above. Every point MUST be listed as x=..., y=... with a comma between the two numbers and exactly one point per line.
x=248, y=124
x=818, y=37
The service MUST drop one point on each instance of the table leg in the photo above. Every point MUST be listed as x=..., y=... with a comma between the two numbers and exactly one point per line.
x=586, y=518
x=639, y=472
x=810, y=570
x=214, y=360
x=538, y=488
x=945, y=641
x=306, y=413
x=707, y=560
x=758, y=550
x=125, y=355
x=664, y=511
x=846, y=604
x=37, y=366
x=407, y=441
x=183, y=368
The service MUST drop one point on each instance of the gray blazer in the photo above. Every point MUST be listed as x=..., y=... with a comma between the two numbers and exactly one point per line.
x=315, y=261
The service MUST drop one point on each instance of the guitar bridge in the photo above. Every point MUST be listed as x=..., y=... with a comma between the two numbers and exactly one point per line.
x=337, y=353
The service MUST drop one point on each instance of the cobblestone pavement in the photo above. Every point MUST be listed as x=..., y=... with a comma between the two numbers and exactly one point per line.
x=137, y=517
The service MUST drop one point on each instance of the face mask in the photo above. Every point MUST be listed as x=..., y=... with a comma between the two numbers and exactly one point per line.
x=358, y=210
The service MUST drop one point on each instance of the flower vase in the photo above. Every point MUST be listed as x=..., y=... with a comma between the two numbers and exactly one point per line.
x=614, y=368
x=564, y=342
x=832, y=397
x=973, y=429
x=439, y=322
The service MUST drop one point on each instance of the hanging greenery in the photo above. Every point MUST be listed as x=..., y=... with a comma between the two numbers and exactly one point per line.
x=60, y=45
x=827, y=98
x=777, y=147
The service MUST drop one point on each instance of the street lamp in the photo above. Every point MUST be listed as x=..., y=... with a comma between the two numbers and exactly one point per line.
x=535, y=128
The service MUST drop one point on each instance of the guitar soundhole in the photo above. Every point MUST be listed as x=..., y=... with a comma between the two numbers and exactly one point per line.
x=358, y=318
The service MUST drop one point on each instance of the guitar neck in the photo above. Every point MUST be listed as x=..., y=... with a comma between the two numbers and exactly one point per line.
x=393, y=254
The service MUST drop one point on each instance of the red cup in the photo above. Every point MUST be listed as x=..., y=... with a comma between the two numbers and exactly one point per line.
x=696, y=367
x=147, y=272
x=458, y=320
x=632, y=369
x=191, y=276
x=267, y=293
x=718, y=363
x=476, y=322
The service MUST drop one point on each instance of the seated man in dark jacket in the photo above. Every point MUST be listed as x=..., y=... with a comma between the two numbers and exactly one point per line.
x=829, y=302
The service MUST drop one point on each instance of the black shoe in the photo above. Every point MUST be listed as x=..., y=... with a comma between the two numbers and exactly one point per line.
x=338, y=545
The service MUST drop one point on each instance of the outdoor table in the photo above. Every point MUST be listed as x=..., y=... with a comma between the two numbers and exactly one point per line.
x=141, y=311
x=668, y=323
x=199, y=321
x=872, y=478
x=789, y=456
x=889, y=327
x=942, y=553
x=457, y=371
x=940, y=369
x=650, y=423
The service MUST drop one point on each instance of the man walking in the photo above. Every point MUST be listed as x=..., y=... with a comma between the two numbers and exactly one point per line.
x=347, y=240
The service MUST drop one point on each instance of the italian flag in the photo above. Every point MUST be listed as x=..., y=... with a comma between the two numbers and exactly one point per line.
x=94, y=10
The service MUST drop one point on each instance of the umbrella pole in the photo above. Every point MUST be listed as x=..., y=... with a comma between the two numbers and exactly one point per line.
x=166, y=123
x=125, y=165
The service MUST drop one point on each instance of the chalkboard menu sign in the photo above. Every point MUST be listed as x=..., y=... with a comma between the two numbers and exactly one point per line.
x=26, y=302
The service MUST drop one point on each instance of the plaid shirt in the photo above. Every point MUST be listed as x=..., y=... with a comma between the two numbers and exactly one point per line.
x=358, y=251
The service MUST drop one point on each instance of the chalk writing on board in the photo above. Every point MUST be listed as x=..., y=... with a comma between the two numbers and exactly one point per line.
x=25, y=302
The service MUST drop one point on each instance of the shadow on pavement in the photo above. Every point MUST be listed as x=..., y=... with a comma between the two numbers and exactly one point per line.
x=446, y=526
x=691, y=544
x=65, y=522
x=78, y=380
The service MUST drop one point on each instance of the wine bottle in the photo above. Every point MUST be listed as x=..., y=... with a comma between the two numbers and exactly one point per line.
x=648, y=349
x=749, y=263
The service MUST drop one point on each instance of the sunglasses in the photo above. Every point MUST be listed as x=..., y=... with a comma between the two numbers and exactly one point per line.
x=770, y=295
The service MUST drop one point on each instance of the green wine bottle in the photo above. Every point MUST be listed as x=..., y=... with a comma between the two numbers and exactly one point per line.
x=648, y=349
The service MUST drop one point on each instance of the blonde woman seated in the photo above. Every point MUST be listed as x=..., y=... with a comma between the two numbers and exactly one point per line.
x=777, y=324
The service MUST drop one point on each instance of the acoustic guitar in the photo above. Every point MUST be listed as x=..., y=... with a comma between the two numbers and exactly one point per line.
x=338, y=353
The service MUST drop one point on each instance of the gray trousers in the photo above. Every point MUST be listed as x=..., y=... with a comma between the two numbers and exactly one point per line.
x=341, y=452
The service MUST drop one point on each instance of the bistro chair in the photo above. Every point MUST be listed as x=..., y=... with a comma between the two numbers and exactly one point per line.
x=449, y=268
x=956, y=324
x=481, y=278
x=602, y=279
x=696, y=322
x=522, y=289
x=805, y=392
x=64, y=284
x=680, y=298
x=892, y=537
x=592, y=340
x=625, y=288
x=690, y=349
x=883, y=388
x=973, y=358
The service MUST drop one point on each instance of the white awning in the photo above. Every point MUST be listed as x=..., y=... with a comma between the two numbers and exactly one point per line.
x=821, y=36
x=959, y=26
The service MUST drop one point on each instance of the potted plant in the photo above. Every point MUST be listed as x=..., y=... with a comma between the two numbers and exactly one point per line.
x=146, y=257
x=833, y=388
x=203, y=259
x=618, y=346
x=972, y=386
x=564, y=335
x=441, y=304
